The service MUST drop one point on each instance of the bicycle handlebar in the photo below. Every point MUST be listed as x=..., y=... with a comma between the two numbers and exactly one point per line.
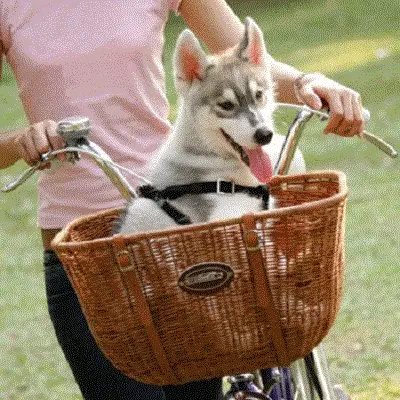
x=291, y=142
x=76, y=130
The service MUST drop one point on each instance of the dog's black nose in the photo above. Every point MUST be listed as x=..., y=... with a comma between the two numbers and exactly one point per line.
x=263, y=136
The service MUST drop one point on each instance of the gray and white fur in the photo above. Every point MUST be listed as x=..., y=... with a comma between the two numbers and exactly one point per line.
x=226, y=106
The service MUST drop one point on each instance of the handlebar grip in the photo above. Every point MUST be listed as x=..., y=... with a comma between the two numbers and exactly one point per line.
x=366, y=114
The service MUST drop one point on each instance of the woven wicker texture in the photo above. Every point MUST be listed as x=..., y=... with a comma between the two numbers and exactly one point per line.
x=154, y=331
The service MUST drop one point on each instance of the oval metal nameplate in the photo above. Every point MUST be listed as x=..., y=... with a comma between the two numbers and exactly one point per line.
x=206, y=278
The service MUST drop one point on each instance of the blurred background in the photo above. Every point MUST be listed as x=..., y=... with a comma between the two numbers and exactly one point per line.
x=356, y=42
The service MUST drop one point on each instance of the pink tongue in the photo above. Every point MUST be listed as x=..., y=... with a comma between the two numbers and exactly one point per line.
x=260, y=164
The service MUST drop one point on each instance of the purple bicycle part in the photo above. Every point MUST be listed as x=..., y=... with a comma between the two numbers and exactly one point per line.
x=277, y=386
x=244, y=388
x=280, y=387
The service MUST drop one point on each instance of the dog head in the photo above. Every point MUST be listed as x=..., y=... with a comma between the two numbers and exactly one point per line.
x=229, y=97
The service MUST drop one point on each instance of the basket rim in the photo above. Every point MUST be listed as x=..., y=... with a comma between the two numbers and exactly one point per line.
x=61, y=240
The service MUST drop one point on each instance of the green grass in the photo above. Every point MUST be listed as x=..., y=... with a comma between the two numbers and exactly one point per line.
x=358, y=44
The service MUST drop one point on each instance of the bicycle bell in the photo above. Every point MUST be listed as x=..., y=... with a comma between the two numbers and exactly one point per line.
x=75, y=131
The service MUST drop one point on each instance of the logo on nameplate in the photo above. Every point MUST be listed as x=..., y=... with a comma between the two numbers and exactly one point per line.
x=206, y=278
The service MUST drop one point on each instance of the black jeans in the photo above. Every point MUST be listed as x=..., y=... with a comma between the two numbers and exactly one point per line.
x=95, y=375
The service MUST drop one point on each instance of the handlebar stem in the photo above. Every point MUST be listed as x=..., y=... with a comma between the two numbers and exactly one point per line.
x=291, y=142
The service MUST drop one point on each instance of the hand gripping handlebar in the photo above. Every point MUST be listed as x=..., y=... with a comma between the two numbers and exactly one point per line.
x=76, y=130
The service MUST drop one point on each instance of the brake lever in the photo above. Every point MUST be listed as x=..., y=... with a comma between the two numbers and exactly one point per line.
x=21, y=179
x=44, y=159
x=381, y=144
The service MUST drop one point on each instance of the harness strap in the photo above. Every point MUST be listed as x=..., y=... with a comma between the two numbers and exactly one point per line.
x=176, y=191
x=219, y=186
x=179, y=217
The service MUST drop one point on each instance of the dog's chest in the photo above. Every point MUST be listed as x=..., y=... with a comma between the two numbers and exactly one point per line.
x=232, y=206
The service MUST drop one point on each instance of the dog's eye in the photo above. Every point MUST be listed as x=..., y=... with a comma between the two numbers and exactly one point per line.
x=259, y=95
x=227, y=105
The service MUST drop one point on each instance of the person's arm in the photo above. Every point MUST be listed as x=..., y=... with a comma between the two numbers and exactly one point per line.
x=214, y=22
x=8, y=149
x=28, y=143
x=219, y=28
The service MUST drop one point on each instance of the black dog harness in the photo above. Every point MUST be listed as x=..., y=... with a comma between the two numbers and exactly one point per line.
x=161, y=197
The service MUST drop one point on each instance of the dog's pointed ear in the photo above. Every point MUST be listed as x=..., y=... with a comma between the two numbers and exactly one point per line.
x=252, y=47
x=190, y=61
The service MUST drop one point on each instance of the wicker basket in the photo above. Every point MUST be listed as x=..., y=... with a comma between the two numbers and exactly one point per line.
x=209, y=300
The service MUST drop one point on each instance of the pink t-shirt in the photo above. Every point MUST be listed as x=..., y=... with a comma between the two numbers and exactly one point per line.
x=96, y=58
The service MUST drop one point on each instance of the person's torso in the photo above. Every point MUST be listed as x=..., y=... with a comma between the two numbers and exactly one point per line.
x=96, y=58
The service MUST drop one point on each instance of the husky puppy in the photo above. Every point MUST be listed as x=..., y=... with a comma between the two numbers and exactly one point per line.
x=225, y=119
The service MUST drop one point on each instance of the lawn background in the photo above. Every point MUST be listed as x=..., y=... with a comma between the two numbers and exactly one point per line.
x=355, y=42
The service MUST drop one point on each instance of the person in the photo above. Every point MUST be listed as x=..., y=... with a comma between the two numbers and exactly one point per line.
x=103, y=59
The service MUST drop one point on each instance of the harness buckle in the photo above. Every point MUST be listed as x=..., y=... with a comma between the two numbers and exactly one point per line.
x=220, y=191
